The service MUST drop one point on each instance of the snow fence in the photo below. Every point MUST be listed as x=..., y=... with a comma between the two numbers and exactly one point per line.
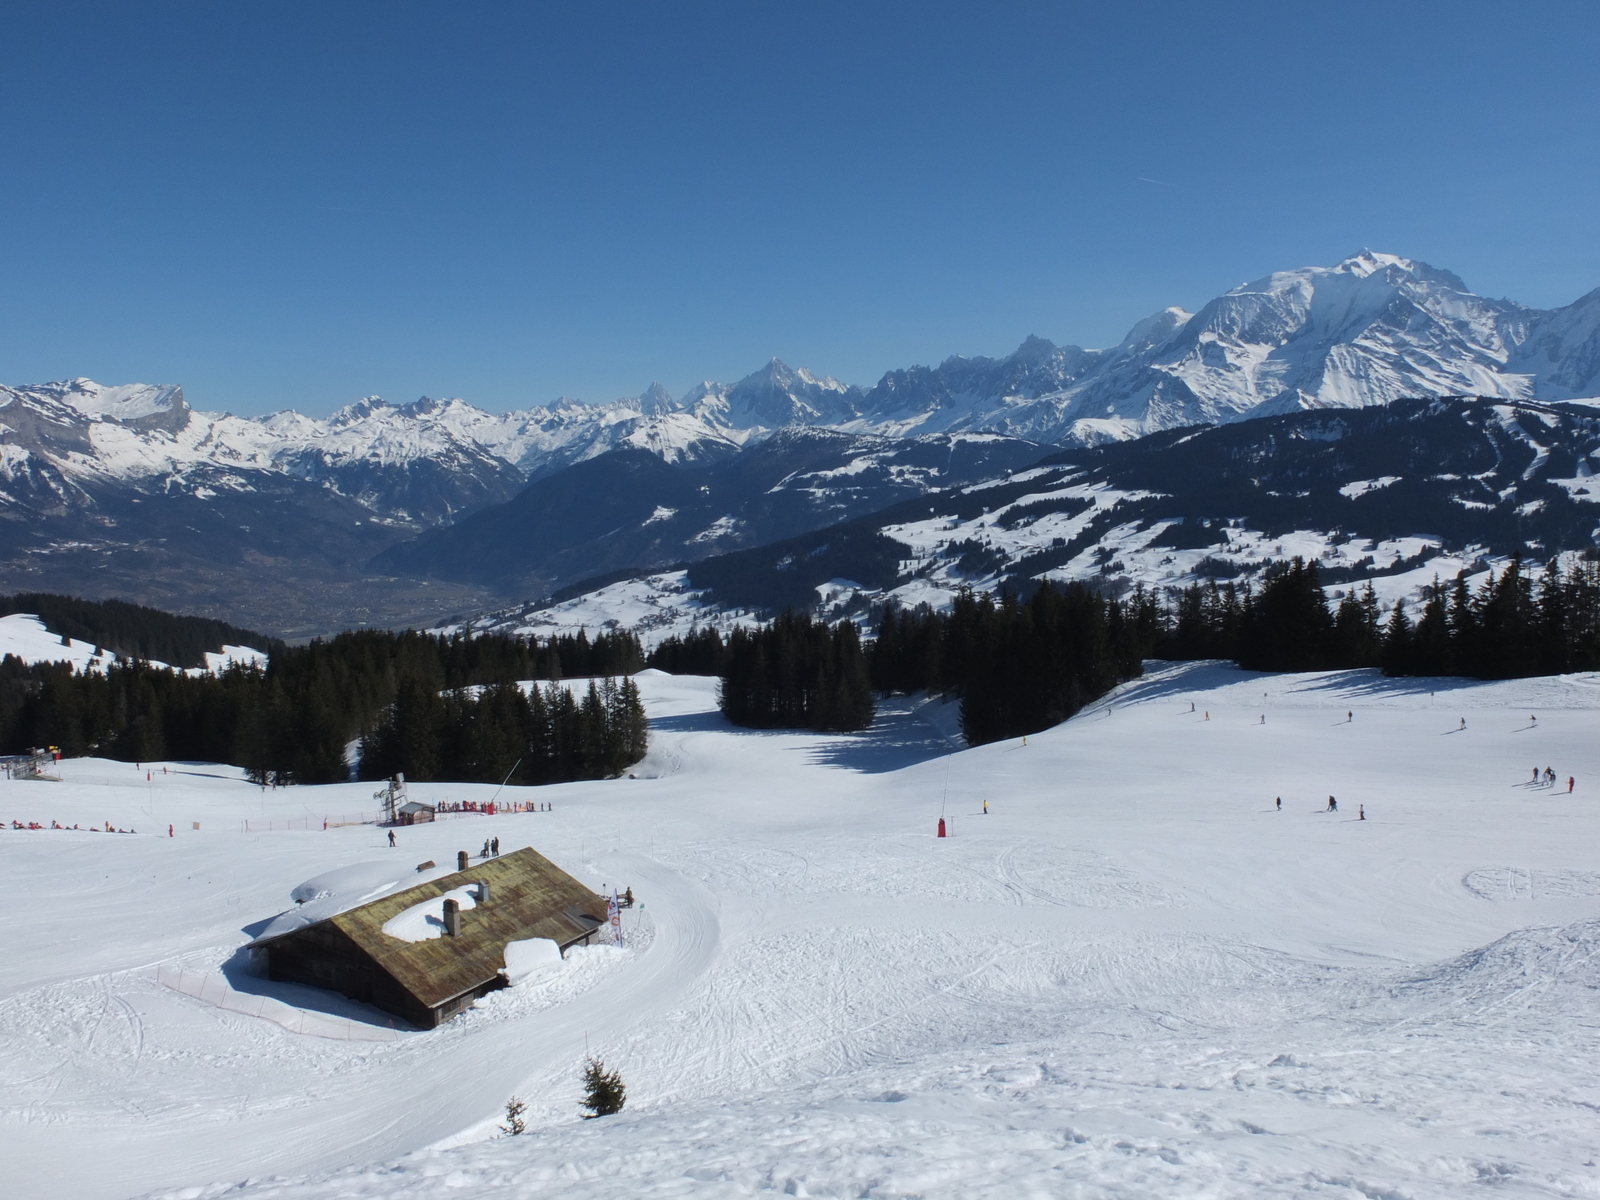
x=209, y=988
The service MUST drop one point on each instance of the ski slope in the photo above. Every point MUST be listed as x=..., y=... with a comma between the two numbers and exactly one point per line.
x=1133, y=977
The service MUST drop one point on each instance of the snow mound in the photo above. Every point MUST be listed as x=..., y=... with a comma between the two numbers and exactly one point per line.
x=1528, y=967
x=368, y=880
x=333, y=892
x=531, y=956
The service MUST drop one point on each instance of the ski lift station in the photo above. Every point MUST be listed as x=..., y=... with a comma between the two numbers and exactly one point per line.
x=426, y=952
x=35, y=764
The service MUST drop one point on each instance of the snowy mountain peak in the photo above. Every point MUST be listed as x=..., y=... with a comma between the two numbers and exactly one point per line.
x=1154, y=330
x=126, y=402
x=656, y=400
x=1034, y=350
x=360, y=410
x=1366, y=262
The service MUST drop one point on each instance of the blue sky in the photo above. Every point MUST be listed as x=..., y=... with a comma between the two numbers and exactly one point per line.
x=296, y=204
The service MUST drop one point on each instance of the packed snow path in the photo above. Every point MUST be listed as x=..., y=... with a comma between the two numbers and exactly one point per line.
x=1134, y=976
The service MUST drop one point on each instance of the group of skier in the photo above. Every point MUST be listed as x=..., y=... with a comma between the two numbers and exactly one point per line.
x=1548, y=778
x=109, y=827
x=1333, y=806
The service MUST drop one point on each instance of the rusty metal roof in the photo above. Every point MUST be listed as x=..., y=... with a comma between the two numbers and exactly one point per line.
x=529, y=897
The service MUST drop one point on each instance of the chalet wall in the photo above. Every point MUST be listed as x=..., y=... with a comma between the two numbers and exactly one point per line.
x=323, y=956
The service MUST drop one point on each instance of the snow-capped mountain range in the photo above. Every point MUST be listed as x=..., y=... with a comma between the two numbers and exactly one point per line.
x=1370, y=330
x=93, y=470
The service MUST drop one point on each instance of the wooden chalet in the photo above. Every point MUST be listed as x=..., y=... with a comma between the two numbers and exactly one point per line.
x=428, y=982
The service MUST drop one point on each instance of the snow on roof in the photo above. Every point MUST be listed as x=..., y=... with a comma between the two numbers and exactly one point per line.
x=425, y=919
x=333, y=892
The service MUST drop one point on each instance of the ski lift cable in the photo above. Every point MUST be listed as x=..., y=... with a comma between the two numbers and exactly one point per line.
x=505, y=781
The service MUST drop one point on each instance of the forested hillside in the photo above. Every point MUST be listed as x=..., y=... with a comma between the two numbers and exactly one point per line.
x=292, y=722
x=134, y=631
x=1021, y=665
x=1508, y=627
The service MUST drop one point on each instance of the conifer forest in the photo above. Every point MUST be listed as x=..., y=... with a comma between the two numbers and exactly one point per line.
x=447, y=708
x=1021, y=665
x=434, y=707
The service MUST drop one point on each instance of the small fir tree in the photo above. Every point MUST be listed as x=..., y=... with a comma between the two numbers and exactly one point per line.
x=603, y=1093
x=514, y=1122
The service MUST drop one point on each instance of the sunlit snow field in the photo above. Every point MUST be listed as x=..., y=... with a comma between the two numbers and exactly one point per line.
x=1133, y=977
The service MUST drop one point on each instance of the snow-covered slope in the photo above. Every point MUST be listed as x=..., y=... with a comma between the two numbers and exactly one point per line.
x=1133, y=977
x=24, y=637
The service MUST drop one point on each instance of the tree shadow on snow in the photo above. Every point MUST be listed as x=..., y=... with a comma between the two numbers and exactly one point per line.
x=1175, y=679
x=1373, y=683
x=700, y=722
x=898, y=738
x=1184, y=678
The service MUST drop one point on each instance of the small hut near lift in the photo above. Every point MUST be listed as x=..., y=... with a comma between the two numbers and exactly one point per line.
x=427, y=952
x=414, y=812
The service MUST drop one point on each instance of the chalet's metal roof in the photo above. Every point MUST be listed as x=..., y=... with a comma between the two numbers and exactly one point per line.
x=529, y=897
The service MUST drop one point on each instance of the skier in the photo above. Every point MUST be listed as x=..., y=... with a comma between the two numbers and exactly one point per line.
x=391, y=838
x=1571, y=782
x=1208, y=714
x=1280, y=803
x=485, y=853
x=1361, y=812
x=1333, y=805
x=1263, y=718
x=1463, y=723
x=986, y=806
x=1349, y=717
x=1532, y=720
x=169, y=830
x=495, y=845
x=1535, y=775
x=1191, y=706
x=1550, y=775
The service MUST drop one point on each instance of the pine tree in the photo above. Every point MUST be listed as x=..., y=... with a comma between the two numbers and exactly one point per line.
x=1399, y=651
x=1287, y=627
x=515, y=1124
x=1432, y=652
x=603, y=1092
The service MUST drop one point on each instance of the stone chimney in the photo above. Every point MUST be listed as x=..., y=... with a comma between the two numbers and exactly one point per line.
x=452, y=918
x=483, y=891
x=461, y=860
